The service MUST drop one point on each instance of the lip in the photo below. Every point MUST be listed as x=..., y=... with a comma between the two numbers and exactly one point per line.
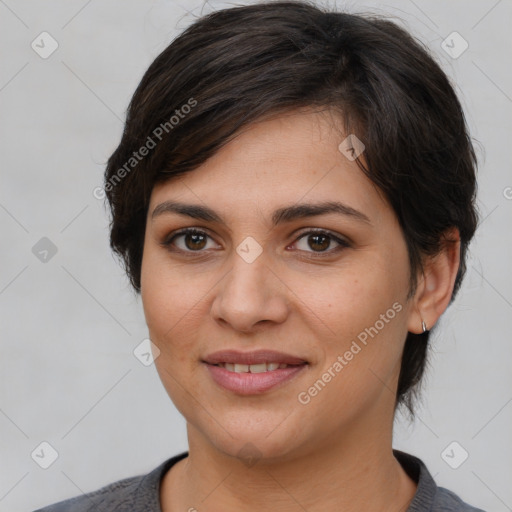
x=254, y=357
x=253, y=383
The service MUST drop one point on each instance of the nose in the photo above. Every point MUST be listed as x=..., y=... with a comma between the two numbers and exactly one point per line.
x=250, y=296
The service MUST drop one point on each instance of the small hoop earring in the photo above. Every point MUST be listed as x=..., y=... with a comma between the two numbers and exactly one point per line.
x=423, y=326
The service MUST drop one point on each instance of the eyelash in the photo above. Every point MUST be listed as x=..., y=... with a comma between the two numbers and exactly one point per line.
x=343, y=244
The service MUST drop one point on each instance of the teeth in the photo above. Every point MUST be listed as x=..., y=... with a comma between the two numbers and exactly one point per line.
x=258, y=368
x=252, y=368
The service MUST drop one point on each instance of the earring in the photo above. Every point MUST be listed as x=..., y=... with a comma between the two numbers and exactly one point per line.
x=423, y=326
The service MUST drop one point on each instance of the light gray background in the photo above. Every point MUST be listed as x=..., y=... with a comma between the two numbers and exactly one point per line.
x=69, y=326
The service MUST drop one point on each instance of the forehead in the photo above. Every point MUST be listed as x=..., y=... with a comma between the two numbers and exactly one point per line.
x=287, y=159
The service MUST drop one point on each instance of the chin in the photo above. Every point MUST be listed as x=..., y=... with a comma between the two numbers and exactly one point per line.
x=253, y=442
x=251, y=451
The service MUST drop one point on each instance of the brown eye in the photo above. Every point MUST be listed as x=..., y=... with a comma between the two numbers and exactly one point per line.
x=187, y=240
x=194, y=241
x=320, y=242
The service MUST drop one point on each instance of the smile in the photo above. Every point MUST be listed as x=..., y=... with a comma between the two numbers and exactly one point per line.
x=253, y=368
x=252, y=373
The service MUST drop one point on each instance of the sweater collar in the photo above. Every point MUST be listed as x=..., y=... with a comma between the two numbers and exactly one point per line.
x=414, y=467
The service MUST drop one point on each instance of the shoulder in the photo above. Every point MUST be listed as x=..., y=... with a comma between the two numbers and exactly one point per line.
x=115, y=496
x=429, y=496
x=135, y=493
x=447, y=501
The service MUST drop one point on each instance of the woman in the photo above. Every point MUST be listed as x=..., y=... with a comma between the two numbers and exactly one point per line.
x=293, y=198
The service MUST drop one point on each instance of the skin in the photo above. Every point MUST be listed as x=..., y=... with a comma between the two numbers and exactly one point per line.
x=335, y=452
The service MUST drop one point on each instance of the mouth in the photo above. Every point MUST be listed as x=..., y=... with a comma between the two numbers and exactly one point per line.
x=254, y=358
x=253, y=373
x=253, y=368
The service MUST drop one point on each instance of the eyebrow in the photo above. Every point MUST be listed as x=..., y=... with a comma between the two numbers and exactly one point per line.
x=280, y=216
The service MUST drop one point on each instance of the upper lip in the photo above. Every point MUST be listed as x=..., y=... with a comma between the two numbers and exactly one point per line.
x=255, y=357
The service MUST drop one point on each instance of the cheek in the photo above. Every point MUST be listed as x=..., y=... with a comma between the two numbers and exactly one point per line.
x=166, y=300
x=359, y=365
x=165, y=293
x=366, y=310
x=169, y=308
x=355, y=301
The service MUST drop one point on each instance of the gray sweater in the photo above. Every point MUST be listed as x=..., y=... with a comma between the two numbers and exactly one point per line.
x=142, y=493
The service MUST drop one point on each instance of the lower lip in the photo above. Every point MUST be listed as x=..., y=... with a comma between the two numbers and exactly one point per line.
x=252, y=383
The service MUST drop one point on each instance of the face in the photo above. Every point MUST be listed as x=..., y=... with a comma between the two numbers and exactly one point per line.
x=270, y=274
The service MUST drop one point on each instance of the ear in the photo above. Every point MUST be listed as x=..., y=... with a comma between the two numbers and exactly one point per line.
x=435, y=283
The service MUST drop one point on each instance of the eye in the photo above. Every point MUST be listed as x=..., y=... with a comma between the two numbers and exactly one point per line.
x=191, y=240
x=320, y=241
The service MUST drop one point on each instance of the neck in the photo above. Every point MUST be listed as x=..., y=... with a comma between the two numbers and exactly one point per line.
x=353, y=472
